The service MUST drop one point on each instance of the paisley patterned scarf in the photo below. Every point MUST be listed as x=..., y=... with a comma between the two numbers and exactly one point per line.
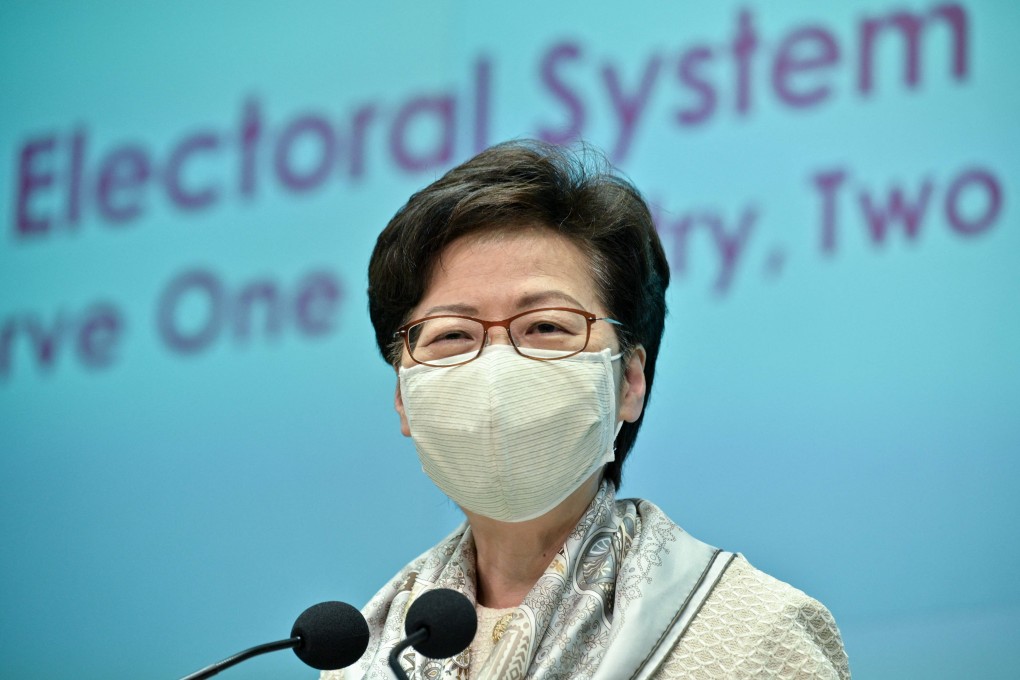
x=613, y=602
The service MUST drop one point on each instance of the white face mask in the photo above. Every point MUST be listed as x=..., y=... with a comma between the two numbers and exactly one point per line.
x=509, y=437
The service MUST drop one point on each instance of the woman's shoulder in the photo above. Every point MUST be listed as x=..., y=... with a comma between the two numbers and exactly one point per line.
x=754, y=625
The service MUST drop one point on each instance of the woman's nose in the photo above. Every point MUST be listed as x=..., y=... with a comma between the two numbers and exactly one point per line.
x=499, y=336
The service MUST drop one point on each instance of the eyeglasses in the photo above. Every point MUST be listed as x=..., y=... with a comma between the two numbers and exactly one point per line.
x=438, y=340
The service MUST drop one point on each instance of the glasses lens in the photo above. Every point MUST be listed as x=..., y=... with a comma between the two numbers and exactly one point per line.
x=549, y=330
x=438, y=340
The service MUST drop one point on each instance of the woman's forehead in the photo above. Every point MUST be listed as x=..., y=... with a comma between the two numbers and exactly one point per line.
x=526, y=267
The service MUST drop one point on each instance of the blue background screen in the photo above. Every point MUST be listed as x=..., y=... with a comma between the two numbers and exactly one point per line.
x=197, y=437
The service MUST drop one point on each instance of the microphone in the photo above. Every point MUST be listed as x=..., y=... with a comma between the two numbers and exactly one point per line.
x=326, y=636
x=440, y=624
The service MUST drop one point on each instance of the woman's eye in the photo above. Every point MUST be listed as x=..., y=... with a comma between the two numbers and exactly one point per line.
x=545, y=327
x=453, y=335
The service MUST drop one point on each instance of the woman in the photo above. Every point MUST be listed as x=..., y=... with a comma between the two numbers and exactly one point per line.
x=521, y=299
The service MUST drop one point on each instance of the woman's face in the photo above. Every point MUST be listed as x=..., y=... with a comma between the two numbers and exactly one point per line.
x=498, y=274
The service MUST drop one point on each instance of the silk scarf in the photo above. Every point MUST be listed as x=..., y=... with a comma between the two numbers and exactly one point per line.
x=612, y=603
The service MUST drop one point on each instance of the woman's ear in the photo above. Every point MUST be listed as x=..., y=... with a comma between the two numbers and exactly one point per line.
x=398, y=403
x=632, y=385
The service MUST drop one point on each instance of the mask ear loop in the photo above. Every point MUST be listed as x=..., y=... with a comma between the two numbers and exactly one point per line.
x=619, y=424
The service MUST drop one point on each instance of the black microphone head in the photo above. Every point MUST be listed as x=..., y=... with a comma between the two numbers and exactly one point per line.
x=449, y=618
x=333, y=635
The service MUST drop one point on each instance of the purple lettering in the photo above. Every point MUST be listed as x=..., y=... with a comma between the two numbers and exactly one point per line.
x=805, y=51
x=679, y=231
x=442, y=109
x=314, y=128
x=744, y=45
x=189, y=199
x=956, y=16
x=95, y=333
x=7, y=331
x=730, y=245
x=207, y=288
x=629, y=108
x=74, y=191
x=688, y=72
x=984, y=182
x=122, y=174
x=897, y=209
x=909, y=27
x=196, y=305
x=362, y=117
x=251, y=133
x=257, y=294
x=316, y=302
x=44, y=341
x=29, y=182
x=565, y=51
x=828, y=183
x=98, y=336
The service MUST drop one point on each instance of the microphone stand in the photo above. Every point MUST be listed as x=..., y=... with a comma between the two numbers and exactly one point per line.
x=215, y=668
x=418, y=636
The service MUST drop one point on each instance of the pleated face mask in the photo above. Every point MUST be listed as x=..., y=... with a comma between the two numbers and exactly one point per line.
x=509, y=437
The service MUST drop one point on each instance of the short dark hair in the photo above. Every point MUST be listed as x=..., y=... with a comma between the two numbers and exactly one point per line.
x=520, y=184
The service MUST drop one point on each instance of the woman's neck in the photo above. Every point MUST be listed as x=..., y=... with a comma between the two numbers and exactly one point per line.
x=512, y=556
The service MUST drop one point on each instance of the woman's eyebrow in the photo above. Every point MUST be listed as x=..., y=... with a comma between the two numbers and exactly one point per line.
x=466, y=310
x=523, y=303
x=545, y=297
